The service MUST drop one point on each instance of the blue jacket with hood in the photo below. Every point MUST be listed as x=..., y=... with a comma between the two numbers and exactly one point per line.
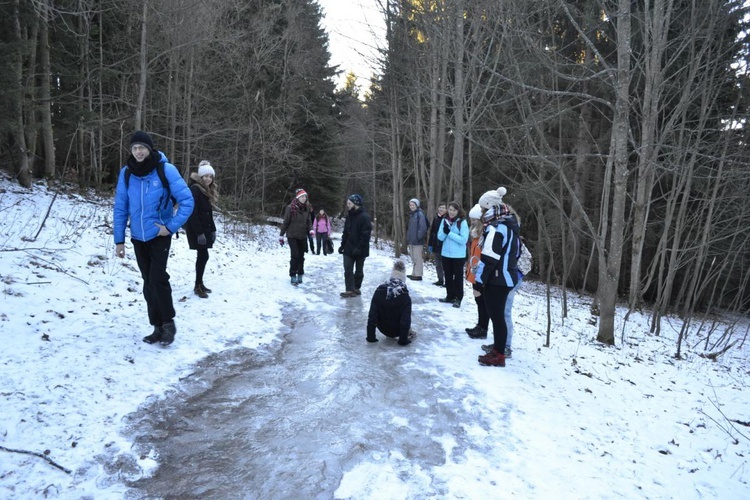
x=143, y=202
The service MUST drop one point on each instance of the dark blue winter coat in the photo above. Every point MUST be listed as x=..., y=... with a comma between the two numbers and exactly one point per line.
x=499, y=252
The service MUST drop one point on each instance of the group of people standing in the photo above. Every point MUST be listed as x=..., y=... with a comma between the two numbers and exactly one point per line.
x=154, y=200
x=489, y=242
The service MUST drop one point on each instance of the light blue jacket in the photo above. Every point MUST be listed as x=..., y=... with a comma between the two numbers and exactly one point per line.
x=144, y=205
x=454, y=243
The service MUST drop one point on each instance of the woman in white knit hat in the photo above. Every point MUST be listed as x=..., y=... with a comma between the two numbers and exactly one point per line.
x=497, y=271
x=200, y=227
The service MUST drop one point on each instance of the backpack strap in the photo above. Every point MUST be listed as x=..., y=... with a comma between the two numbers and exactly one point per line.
x=162, y=178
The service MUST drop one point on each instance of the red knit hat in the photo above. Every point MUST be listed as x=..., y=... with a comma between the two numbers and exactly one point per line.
x=300, y=193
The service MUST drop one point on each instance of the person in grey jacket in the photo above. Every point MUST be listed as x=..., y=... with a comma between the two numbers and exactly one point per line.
x=415, y=237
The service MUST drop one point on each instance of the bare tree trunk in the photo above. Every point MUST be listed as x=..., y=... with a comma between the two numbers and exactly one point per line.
x=46, y=104
x=22, y=169
x=459, y=106
x=143, y=70
x=614, y=226
x=31, y=98
x=655, y=40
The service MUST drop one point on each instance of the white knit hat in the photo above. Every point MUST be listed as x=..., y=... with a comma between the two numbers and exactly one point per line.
x=492, y=198
x=415, y=201
x=399, y=270
x=205, y=168
x=475, y=212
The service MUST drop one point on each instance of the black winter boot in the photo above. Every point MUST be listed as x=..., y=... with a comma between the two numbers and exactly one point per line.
x=154, y=337
x=168, y=331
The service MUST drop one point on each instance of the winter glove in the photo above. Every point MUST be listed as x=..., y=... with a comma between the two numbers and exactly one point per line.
x=404, y=342
x=341, y=249
x=281, y=241
x=202, y=239
x=446, y=228
x=479, y=271
x=356, y=252
x=429, y=249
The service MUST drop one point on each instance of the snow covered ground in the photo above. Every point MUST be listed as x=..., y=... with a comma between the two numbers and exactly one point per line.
x=579, y=420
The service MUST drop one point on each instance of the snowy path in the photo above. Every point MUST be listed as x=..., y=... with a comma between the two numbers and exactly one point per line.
x=290, y=421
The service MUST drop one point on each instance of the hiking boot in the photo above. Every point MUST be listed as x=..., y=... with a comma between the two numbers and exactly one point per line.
x=294, y=280
x=168, y=331
x=508, y=352
x=457, y=303
x=154, y=337
x=479, y=333
x=358, y=291
x=492, y=358
x=299, y=279
x=205, y=288
x=198, y=290
x=446, y=300
x=488, y=348
x=439, y=283
x=348, y=294
x=472, y=329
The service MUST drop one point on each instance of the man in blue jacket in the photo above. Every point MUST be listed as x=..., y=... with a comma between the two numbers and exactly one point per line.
x=146, y=190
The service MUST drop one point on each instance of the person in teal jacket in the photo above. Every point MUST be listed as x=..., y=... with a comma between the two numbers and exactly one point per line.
x=143, y=199
x=454, y=233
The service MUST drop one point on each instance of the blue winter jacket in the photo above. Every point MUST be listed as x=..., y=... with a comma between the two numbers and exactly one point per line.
x=454, y=242
x=144, y=205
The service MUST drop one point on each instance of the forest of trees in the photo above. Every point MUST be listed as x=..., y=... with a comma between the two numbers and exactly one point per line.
x=619, y=127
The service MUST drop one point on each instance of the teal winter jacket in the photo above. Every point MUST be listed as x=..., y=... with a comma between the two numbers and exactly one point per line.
x=454, y=242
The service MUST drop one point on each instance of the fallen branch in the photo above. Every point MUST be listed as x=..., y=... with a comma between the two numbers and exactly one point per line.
x=40, y=455
x=714, y=355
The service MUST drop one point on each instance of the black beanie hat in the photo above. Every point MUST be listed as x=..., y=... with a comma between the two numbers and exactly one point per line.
x=141, y=137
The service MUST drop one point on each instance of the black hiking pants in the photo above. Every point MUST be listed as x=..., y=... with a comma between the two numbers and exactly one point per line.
x=152, y=259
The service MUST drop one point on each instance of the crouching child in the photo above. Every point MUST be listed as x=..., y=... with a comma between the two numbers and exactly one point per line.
x=390, y=308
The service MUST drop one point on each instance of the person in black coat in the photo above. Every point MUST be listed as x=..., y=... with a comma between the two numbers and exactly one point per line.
x=390, y=308
x=355, y=245
x=200, y=227
x=434, y=245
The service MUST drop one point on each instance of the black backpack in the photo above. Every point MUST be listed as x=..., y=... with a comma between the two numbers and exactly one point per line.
x=162, y=178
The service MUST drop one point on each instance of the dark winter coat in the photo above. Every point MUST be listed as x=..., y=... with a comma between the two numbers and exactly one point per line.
x=391, y=316
x=356, y=237
x=417, y=228
x=434, y=242
x=297, y=223
x=499, y=251
x=201, y=221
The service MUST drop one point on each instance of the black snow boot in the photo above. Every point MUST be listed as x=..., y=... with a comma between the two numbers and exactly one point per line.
x=154, y=337
x=168, y=331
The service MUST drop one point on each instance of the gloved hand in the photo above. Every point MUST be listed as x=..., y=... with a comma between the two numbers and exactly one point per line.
x=202, y=239
x=429, y=249
x=479, y=271
x=356, y=252
x=341, y=249
x=404, y=342
x=281, y=241
x=446, y=228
